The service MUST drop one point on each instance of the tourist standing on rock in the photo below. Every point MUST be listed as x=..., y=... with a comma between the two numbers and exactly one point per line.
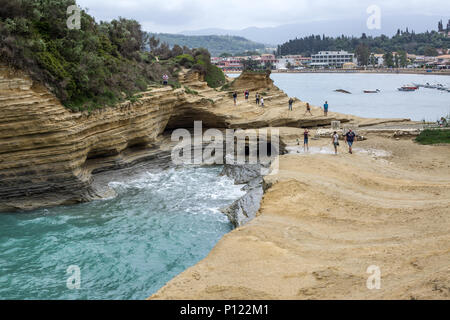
x=308, y=109
x=291, y=102
x=257, y=98
x=262, y=101
x=306, y=140
x=350, y=138
x=335, y=140
x=235, y=97
x=246, y=94
x=325, y=108
x=165, y=79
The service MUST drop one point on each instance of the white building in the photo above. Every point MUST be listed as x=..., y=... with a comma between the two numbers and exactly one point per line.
x=332, y=59
x=378, y=60
x=283, y=62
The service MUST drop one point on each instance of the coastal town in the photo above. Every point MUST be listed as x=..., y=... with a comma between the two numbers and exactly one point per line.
x=330, y=60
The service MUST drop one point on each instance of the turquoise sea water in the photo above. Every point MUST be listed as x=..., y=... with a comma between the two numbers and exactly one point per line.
x=424, y=104
x=127, y=247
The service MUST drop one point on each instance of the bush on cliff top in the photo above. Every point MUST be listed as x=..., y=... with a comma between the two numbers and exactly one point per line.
x=100, y=64
x=434, y=136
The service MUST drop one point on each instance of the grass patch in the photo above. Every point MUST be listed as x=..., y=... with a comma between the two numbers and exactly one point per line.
x=190, y=91
x=434, y=136
x=228, y=86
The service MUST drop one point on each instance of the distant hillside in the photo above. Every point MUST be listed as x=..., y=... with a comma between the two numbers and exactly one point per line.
x=350, y=27
x=409, y=41
x=216, y=45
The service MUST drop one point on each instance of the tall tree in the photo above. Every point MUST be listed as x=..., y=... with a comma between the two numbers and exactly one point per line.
x=388, y=59
x=403, y=59
x=430, y=51
x=362, y=53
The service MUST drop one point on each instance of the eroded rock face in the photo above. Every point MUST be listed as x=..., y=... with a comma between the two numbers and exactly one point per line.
x=48, y=154
x=253, y=81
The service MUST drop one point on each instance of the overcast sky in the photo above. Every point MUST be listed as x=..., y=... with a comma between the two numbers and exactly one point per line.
x=173, y=16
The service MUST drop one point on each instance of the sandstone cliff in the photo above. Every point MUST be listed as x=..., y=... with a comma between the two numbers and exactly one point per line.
x=48, y=154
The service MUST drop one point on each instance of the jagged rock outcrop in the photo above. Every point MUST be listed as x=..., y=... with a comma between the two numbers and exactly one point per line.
x=48, y=154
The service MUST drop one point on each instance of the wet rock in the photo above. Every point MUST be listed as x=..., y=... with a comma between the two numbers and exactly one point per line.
x=245, y=209
x=242, y=174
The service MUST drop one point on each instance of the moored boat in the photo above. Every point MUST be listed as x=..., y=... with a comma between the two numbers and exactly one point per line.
x=371, y=91
x=408, y=88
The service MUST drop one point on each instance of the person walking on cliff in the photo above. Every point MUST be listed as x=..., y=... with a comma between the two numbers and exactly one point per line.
x=325, y=109
x=308, y=109
x=291, y=102
x=335, y=140
x=246, y=94
x=262, y=102
x=235, y=97
x=257, y=98
x=350, y=138
x=306, y=140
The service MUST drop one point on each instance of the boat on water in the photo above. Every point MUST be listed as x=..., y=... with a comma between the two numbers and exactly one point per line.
x=343, y=91
x=371, y=91
x=432, y=86
x=441, y=87
x=409, y=87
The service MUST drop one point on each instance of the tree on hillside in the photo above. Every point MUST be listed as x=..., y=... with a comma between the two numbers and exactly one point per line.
x=396, y=60
x=250, y=65
x=440, y=26
x=362, y=53
x=388, y=60
x=269, y=65
x=372, y=60
x=403, y=59
x=409, y=41
x=153, y=43
x=177, y=51
x=430, y=51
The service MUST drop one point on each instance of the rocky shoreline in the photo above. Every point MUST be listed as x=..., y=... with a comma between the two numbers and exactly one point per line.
x=48, y=155
x=308, y=230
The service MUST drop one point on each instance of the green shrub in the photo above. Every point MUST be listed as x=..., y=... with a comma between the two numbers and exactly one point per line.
x=434, y=136
x=214, y=76
x=91, y=67
x=190, y=91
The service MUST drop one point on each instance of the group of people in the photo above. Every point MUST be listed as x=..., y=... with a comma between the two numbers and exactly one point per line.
x=259, y=99
x=308, y=107
x=350, y=137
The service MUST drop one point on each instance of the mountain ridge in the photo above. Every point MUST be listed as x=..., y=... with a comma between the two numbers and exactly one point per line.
x=283, y=33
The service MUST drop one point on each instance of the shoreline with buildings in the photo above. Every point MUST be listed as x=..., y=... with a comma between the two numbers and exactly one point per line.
x=335, y=62
x=371, y=71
